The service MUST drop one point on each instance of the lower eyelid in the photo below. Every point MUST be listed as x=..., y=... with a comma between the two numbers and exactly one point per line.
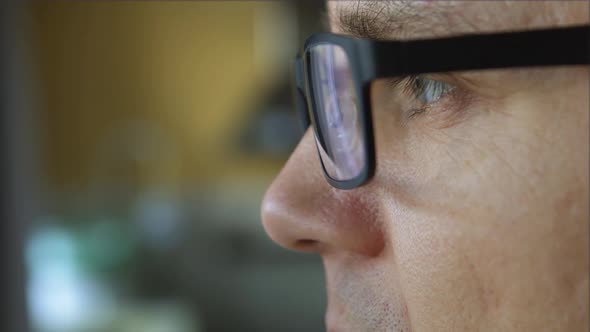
x=415, y=112
x=393, y=92
x=452, y=103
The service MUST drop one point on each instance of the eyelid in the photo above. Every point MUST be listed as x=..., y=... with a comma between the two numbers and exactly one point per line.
x=449, y=78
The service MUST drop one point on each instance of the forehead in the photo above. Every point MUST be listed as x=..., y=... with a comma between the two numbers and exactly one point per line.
x=422, y=19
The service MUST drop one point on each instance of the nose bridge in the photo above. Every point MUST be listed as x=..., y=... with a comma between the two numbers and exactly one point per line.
x=301, y=211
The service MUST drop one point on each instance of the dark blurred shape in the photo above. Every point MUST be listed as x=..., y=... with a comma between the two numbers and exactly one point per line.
x=17, y=172
x=273, y=130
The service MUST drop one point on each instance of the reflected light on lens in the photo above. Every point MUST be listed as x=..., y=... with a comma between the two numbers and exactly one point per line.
x=338, y=129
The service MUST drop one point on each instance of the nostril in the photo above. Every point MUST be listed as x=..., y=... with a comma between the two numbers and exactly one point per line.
x=306, y=245
x=306, y=242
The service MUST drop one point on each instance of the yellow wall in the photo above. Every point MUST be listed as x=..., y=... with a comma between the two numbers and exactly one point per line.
x=187, y=70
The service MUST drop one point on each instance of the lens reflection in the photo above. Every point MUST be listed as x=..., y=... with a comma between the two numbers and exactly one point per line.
x=338, y=129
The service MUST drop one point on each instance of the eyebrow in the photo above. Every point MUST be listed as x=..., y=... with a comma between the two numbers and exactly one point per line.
x=397, y=19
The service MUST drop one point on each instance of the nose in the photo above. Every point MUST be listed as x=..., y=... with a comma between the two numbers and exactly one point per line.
x=301, y=211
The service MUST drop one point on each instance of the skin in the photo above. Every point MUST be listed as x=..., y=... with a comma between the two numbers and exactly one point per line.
x=477, y=216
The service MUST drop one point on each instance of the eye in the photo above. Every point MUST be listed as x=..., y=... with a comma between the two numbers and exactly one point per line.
x=428, y=91
x=420, y=94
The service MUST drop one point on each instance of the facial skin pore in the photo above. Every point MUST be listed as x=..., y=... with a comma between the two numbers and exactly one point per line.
x=477, y=216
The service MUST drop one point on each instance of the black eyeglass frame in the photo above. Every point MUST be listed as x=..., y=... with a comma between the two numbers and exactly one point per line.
x=373, y=59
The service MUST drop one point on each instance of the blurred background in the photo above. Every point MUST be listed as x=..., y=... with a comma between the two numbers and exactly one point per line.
x=138, y=140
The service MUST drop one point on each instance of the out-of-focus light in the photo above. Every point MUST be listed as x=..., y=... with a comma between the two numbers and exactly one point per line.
x=159, y=218
x=60, y=296
x=67, y=303
x=49, y=247
x=106, y=244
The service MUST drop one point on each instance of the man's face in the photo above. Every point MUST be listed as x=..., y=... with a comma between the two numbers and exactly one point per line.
x=477, y=216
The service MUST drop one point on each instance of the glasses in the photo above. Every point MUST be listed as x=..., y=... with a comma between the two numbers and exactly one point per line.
x=333, y=75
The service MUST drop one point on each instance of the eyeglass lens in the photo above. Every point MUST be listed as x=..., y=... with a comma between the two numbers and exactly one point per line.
x=338, y=130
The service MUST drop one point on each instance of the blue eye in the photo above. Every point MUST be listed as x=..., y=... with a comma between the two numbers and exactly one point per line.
x=427, y=90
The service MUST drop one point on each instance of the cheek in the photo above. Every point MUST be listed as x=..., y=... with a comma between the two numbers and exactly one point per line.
x=445, y=289
x=478, y=215
x=480, y=274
